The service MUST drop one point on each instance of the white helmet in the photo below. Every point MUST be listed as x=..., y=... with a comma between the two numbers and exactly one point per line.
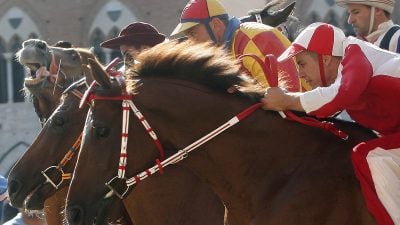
x=387, y=5
x=321, y=38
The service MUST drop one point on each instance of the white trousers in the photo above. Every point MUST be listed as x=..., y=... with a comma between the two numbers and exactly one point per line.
x=385, y=171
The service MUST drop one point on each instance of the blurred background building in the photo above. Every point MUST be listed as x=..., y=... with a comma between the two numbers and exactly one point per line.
x=87, y=23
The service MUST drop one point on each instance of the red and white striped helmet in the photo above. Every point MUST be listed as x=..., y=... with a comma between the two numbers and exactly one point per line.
x=321, y=38
x=387, y=5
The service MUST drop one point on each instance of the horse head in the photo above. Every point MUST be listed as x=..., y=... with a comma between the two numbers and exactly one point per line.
x=56, y=147
x=52, y=70
x=27, y=186
x=103, y=130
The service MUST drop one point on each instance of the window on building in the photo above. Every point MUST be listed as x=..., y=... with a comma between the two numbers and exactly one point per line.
x=3, y=74
x=97, y=38
x=18, y=72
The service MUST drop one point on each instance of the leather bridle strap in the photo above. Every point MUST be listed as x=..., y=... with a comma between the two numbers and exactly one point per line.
x=61, y=164
x=110, y=68
x=67, y=157
x=183, y=153
x=128, y=104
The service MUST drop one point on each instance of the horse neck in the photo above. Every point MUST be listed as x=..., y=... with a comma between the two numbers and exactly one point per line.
x=257, y=158
x=188, y=110
x=181, y=112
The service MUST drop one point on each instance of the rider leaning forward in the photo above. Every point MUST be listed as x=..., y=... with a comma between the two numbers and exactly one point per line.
x=353, y=75
x=207, y=20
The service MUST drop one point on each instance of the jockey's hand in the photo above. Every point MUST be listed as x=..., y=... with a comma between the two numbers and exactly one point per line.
x=278, y=99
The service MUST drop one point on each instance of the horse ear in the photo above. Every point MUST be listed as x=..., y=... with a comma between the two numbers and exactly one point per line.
x=277, y=17
x=99, y=75
x=288, y=10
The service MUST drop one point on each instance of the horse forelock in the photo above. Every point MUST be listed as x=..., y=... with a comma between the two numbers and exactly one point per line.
x=200, y=63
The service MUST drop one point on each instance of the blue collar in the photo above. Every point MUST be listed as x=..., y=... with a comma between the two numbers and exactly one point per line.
x=233, y=25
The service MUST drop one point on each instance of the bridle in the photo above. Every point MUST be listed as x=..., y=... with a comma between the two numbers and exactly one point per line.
x=128, y=105
x=58, y=169
x=35, y=100
x=110, y=68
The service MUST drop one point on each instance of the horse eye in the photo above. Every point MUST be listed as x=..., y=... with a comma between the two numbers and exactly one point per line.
x=58, y=121
x=102, y=132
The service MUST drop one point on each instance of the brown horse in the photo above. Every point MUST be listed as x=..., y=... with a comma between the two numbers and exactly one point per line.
x=58, y=135
x=45, y=89
x=265, y=169
x=146, y=207
x=47, y=82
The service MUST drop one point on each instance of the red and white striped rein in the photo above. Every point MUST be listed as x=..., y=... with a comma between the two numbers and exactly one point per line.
x=127, y=104
x=182, y=154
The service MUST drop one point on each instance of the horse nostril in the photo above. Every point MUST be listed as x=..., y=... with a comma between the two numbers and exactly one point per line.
x=13, y=187
x=75, y=215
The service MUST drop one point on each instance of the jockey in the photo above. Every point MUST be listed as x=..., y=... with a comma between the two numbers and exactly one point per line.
x=207, y=20
x=133, y=39
x=371, y=20
x=353, y=75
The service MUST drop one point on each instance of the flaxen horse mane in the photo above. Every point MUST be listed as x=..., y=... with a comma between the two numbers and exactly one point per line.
x=201, y=63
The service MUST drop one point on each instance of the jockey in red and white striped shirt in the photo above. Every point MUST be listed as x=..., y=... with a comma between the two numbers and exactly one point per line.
x=356, y=76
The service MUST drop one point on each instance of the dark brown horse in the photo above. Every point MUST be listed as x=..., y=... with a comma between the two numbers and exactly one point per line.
x=269, y=17
x=146, y=206
x=266, y=170
x=47, y=82
x=282, y=19
x=52, y=70
x=58, y=135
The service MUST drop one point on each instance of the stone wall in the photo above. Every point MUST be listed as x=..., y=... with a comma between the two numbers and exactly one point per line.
x=18, y=128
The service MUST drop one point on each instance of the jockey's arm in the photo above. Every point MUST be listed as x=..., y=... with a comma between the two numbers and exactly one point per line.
x=279, y=100
x=352, y=81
